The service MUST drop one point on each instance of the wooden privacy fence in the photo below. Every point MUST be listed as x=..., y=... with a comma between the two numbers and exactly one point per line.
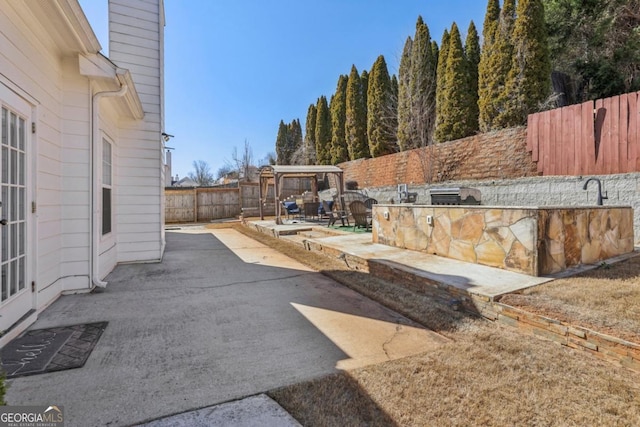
x=600, y=137
x=203, y=204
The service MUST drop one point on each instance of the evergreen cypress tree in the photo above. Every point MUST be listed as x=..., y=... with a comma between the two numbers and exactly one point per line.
x=289, y=140
x=323, y=132
x=456, y=99
x=381, y=111
x=295, y=138
x=393, y=113
x=337, y=108
x=364, y=80
x=404, y=97
x=503, y=62
x=472, y=54
x=441, y=87
x=310, y=136
x=529, y=81
x=355, y=118
x=435, y=53
x=488, y=82
x=423, y=87
x=282, y=142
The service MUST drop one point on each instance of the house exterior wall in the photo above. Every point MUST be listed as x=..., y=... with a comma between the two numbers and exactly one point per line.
x=32, y=66
x=41, y=65
x=75, y=185
x=136, y=43
x=109, y=131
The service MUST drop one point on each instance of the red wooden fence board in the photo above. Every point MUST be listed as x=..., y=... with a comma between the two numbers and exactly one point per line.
x=533, y=139
x=587, y=143
x=559, y=149
x=605, y=144
x=575, y=133
x=632, y=99
x=566, y=142
x=559, y=160
x=577, y=138
x=530, y=137
x=622, y=134
x=551, y=163
x=550, y=167
x=634, y=133
x=601, y=136
x=546, y=141
x=614, y=141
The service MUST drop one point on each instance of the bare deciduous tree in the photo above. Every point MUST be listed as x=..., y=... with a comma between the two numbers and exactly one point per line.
x=243, y=161
x=202, y=174
x=224, y=171
x=269, y=159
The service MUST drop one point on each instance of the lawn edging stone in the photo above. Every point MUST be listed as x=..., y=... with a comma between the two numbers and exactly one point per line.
x=603, y=346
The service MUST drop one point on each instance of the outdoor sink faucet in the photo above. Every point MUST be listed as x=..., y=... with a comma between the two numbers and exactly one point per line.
x=600, y=196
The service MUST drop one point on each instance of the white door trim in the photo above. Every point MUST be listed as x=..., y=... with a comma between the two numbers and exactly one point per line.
x=23, y=301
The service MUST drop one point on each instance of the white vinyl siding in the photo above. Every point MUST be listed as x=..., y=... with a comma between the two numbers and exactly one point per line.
x=135, y=32
x=30, y=63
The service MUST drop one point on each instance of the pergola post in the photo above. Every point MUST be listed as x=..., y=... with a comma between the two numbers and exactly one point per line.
x=276, y=196
x=261, y=180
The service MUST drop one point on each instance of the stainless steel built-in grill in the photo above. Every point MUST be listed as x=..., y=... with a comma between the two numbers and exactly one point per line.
x=455, y=196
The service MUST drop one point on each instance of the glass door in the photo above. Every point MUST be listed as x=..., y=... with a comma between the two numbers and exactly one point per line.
x=13, y=218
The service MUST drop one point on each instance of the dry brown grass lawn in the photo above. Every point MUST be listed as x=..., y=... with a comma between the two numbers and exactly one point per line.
x=488, y=375
x=606, y=299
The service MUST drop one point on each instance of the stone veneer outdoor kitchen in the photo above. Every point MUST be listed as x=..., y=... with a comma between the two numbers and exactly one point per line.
x=531, y=240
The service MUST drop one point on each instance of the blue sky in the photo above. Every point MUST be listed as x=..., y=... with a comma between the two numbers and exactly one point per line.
x=235, y=68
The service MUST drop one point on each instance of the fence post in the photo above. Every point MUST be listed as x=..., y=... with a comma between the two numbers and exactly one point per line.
x=195, y=205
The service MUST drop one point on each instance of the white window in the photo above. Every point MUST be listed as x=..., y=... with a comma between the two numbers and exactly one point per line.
x=106, y=186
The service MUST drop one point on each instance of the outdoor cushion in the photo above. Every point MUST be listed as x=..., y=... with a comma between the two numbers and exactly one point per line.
x=291, y=207
x=321, y=207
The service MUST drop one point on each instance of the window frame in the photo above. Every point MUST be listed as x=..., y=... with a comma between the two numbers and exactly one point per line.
x=106, y=187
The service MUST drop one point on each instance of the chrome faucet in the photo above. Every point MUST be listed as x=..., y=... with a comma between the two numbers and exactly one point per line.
x=600, y=196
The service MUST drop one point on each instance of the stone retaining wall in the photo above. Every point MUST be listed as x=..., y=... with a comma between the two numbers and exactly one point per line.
x=603, y=346
x=624, y=352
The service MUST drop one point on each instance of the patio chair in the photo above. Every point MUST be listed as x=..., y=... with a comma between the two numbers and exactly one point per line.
x=310, y=209
x=291, y=208
x=360, y=216
x=370, y=202
x=334, y=215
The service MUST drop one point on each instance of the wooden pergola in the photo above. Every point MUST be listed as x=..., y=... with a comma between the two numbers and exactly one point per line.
x=275, y=175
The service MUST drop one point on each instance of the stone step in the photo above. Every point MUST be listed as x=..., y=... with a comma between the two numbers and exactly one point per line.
x=294, y=238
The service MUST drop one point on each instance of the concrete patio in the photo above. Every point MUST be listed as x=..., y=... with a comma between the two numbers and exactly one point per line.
x=222, y=317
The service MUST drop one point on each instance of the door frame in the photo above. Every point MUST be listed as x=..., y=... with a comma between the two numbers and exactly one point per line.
x=17, y=309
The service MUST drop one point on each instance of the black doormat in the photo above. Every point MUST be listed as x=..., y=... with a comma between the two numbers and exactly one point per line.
x=52, y=349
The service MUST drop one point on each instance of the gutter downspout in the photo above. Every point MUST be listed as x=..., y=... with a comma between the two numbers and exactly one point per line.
x=94, y=254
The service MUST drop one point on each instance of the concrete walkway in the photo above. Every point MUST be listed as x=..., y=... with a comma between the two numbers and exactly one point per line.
x=471, y=278
x=221, y=318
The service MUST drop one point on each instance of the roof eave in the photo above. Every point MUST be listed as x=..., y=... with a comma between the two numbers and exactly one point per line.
x=98, y=66
x=79, y=25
